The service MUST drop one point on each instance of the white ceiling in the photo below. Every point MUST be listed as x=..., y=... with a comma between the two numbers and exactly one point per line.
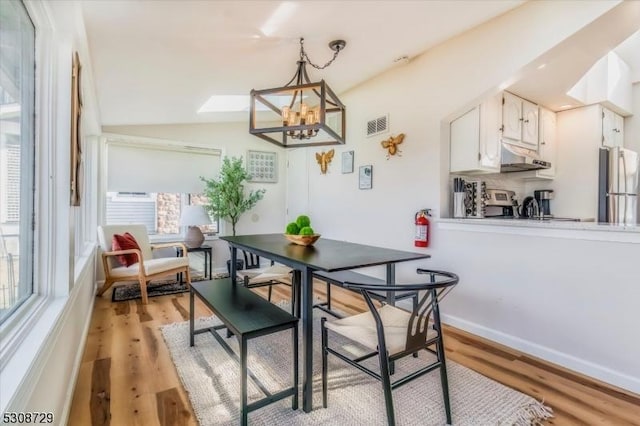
x=158, y=62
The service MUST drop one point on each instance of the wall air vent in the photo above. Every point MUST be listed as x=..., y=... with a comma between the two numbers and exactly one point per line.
x=378, y=125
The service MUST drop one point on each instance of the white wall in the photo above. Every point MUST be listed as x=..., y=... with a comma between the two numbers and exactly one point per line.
x=572, y=302
x=492, y=296
x=234, y=140
x=418, y=96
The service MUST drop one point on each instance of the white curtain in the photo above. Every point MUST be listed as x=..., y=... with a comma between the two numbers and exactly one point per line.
x=159, y=167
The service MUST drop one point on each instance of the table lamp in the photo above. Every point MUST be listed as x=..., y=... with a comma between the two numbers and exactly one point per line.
x=192, y=216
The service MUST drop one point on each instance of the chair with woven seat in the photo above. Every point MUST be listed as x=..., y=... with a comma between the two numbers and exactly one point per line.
x=142, y=266
x=254, y=275
x=393, y=333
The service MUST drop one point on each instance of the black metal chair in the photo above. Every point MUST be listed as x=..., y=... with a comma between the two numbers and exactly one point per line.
x=393, y=333
x=254, y=276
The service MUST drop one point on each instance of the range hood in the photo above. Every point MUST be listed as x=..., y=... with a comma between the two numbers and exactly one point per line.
x=517, y=159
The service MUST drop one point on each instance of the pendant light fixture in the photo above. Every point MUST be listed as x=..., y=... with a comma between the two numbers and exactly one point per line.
x=300, y=113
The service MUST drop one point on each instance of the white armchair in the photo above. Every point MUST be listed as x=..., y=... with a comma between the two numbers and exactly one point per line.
x=147, y=268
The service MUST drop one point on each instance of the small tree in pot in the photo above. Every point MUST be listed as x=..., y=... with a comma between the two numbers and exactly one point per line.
x=227, y=197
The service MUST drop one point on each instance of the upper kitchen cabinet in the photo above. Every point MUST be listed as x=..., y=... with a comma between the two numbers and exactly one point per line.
x=547, y=142
x=475, y=139
x=612, y=128
x=519, y=121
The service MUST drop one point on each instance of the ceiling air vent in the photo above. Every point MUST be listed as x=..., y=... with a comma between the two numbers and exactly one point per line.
x=378, y=125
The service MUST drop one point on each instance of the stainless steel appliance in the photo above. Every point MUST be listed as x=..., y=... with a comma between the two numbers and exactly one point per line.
x=618, y=186
x=500, y=203
x=516, y=159
x=544, y=197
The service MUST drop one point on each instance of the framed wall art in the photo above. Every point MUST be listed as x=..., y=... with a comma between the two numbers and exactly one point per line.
x=262, y=166
x=347, y=162
x=365, y=178
x=76, y=141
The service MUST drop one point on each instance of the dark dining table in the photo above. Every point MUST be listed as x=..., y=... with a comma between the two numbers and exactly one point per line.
x=325, y=255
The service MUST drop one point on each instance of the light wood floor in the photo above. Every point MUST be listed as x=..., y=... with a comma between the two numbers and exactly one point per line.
x=127, y=376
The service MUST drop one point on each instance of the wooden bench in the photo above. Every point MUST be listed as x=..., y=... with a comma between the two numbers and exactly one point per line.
x=338, y=278
x=246, y=315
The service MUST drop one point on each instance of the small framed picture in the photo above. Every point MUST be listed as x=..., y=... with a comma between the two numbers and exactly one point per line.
x=262, y=166
x=347, y=162
x=365, y=177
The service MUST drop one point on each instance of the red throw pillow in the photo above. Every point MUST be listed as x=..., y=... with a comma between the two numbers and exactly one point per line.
x=125, y=242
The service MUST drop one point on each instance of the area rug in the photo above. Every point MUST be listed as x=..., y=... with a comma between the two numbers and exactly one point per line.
x=123, y=292
x=212, y=381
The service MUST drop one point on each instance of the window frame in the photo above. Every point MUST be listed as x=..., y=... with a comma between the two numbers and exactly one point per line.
x=185, y=200
x=49, y=169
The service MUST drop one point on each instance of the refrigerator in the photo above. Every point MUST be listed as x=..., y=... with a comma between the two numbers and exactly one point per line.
x=618, y=186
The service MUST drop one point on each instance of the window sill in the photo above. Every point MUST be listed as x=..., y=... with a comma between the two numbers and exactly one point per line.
x=26, y=345
x=176, y=237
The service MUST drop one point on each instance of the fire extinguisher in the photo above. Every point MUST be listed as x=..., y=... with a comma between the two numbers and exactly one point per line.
x=422, y=228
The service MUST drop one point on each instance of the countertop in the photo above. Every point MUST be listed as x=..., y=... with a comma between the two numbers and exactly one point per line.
x=547, y=228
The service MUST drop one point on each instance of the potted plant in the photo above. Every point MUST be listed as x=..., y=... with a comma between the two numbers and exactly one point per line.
x=227, y=196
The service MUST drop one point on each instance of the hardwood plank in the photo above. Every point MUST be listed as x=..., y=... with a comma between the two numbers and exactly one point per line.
x=81, y=403
x=100, y=402
x=143, y=311
x=99, y=337
x=171, y=409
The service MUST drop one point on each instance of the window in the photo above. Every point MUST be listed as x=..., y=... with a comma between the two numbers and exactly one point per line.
x=17, y=156
x=149, y=181
x=160, y=212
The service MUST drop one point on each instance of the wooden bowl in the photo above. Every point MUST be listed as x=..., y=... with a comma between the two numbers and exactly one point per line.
x=302, y=240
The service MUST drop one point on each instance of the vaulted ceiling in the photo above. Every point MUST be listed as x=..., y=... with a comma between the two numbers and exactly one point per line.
x=158, y=62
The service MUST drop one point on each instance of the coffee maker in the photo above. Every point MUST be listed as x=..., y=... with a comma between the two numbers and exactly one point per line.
x=544, y=197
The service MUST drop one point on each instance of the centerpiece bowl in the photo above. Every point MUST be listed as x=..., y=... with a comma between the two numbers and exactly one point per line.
x=302, y=240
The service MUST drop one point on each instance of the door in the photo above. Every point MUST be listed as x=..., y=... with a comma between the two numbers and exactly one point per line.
x=623, y=209
x=611, y=134
x=623, y=171
x=547, y=145
x=490, y=142
x=511, y=115
x=464, y=139
x=618, y=129
x=530, y=125
x=297, y=183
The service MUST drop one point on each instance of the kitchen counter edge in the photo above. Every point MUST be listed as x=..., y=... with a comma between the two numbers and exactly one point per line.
x=553, y=229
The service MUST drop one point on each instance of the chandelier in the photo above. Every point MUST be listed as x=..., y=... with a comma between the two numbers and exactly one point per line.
x=300, y=113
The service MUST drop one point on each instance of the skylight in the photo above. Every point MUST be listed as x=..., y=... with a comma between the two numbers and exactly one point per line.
x=239, y=103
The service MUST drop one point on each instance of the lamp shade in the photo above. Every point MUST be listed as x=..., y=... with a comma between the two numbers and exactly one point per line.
x=194, y=216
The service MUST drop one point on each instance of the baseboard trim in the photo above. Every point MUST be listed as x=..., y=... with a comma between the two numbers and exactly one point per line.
x=562, y=359
x=77, y=363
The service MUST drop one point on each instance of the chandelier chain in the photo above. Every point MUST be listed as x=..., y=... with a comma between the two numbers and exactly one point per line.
x=303, y=55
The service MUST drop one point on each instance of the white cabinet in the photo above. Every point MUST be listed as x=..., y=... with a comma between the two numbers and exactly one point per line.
x=519, y=121
x=576, y=181
x=612, y=128
x=547, y=141
x=475, y=139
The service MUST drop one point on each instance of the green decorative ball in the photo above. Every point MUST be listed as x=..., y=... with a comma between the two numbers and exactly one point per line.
x=303, y=221
x=292, y=229
x=307, y=230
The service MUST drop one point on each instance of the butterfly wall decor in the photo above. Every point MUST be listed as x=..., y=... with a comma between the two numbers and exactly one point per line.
x=391, y=145
x=324, y=158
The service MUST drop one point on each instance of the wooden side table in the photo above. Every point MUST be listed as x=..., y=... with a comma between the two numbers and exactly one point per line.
x=208, y=259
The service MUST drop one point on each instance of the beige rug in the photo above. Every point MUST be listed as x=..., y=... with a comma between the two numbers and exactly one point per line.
x=212, y=381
